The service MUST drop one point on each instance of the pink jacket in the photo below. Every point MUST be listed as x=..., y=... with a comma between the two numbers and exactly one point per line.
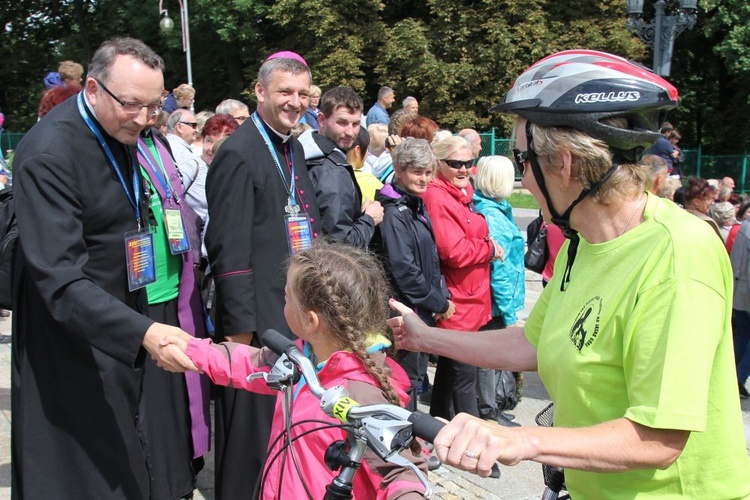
x=229, y=364
x=465, y=250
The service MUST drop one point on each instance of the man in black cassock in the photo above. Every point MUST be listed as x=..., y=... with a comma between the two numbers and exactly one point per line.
x=250, y=194
x=79, y=335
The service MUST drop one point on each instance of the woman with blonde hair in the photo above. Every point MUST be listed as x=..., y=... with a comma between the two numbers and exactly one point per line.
x=493, y=186
x=311, y=114
x=632, y=338
x=180, y=98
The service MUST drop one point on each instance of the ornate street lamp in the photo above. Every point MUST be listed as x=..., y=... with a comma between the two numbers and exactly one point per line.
x=660, y=33
x=166, y=24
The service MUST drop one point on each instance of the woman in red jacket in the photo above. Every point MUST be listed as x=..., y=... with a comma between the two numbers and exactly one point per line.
x=465, y=251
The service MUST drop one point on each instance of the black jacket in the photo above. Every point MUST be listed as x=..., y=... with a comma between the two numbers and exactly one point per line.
x=337, y=192
x=411, y=257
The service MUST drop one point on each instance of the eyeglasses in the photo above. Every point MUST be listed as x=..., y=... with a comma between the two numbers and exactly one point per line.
x=134, y=108
x=240, y=119
x=458, y=164
x=521, y=158
x=190, y=124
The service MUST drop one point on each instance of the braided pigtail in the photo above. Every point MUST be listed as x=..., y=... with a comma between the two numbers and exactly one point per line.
x=348, y=290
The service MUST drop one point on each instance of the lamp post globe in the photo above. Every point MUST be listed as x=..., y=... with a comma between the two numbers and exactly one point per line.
x=166, y=23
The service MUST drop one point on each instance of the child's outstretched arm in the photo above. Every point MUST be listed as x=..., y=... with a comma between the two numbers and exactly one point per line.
x=227, y=363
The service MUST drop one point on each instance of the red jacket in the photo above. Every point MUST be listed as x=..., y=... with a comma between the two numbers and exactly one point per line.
x=465, y=251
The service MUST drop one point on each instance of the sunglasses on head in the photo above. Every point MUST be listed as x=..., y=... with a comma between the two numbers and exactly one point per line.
x=458, y=164
x=521, y=157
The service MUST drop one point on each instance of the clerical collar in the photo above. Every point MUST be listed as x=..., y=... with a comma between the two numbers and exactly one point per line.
x=284, y=138
x=88, y=105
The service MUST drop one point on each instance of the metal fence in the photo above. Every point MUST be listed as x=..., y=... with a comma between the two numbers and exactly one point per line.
x=9, y=141
x=696, y=163
x=495, y=146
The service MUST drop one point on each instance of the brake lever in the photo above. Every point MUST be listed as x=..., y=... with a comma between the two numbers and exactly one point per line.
x=283, y=374
x=397, y=459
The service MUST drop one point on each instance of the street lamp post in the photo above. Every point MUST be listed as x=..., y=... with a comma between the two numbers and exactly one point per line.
x=660, y=33
x=166, y=24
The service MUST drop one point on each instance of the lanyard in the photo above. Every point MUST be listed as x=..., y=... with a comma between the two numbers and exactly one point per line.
x=290, y=187
x=160, y=173
x=135, y=197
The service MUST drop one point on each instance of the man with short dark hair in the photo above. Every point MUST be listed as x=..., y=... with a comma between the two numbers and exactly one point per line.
x=80, y=334
x=262, y=209
x=663, y=146
x=378, y=113
x=343, y=215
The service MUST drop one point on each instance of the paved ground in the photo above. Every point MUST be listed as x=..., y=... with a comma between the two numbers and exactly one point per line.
x=521, y=482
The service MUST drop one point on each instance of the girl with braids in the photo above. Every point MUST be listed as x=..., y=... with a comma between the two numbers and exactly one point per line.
x=337, y=304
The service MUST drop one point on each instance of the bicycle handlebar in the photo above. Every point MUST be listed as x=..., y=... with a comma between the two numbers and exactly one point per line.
x=338, y=404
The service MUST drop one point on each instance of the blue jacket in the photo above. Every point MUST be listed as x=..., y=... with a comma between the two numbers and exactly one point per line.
x=170, y=104
x=506, y=276
x=311, y=118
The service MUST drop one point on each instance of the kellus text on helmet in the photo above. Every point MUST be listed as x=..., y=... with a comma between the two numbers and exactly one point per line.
x=595, y=97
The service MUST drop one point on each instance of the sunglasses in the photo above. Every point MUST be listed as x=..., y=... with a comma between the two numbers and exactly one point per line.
x=521, y=157
x=458, y=164
x=190, y=124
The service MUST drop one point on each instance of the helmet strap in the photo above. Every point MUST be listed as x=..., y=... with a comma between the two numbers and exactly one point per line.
x=563, y=221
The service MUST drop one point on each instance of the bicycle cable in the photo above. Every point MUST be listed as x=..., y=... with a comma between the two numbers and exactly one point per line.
x=272, y=459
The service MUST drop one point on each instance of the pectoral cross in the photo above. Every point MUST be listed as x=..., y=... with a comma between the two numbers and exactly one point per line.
x=291, y=208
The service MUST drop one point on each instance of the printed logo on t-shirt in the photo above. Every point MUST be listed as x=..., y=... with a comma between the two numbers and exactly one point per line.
x=586, y=325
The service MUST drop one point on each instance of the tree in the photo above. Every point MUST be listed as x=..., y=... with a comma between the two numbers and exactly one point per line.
x=337, y=37
x=461, y=59
x=458, y=58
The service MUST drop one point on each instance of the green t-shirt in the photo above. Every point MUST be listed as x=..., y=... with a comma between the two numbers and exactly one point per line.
x=643, y=331
x=168, y=266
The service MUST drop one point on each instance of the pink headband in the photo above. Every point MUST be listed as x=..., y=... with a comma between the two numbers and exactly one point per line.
x=288, y=55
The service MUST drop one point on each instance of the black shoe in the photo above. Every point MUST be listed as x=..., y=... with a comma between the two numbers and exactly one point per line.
x=495, y=473
x=426, y=397
x=507, y=415
x=501, y=419
x=743, y=392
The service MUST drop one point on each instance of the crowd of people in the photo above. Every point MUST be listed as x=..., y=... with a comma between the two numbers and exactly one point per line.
x=304, y=216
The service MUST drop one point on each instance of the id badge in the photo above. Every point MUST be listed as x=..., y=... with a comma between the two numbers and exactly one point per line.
x=139, y=255
x=298, y=232
x=176, y=235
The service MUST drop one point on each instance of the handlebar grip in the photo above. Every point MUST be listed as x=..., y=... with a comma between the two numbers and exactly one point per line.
x=276, y=341
x=425, y=426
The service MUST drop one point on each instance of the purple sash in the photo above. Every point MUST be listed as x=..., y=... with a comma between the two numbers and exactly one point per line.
x=189, y=305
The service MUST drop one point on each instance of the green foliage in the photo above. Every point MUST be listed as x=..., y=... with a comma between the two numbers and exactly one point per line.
x=334, y=36
x=458, y=58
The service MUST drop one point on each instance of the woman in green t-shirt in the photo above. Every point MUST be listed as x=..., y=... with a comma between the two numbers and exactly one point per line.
x=632, y=337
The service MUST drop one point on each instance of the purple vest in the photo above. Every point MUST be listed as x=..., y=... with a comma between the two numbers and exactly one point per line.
x=189, y=305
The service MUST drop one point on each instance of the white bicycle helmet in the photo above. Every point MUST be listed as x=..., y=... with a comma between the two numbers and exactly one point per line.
x=580, y=88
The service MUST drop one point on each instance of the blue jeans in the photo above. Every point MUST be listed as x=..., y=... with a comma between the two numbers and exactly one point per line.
x=741, y=334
